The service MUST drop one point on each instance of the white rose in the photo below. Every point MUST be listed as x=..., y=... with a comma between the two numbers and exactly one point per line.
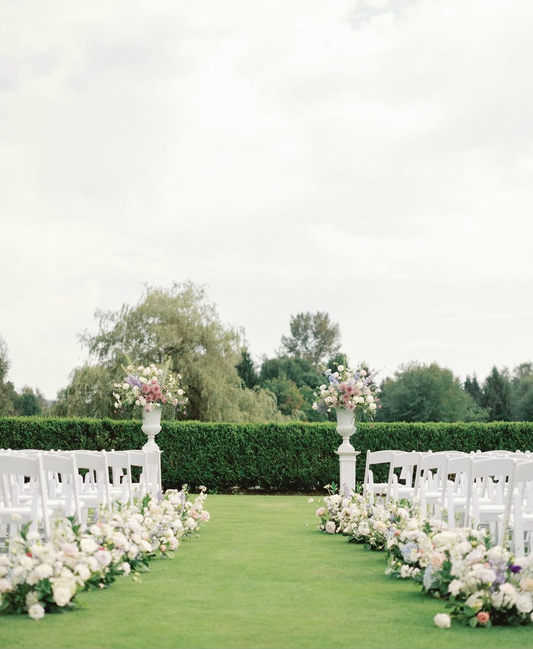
x=508, y=589
x=62, y=595
x=126, y=568
x=26, y=562
x=370, y=399
x=340, y=368
x=330, y=527
x=83, y=571
x=523, y=603
x=372, y=406
x=442, y=620
x=455, y=587
x=44, y=571
x=88, y=546
x=36, y=611
x=5, y=586
x=103, y=557
x=526, y=584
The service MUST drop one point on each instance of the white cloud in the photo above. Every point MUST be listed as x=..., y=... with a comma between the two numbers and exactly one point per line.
x=370, y=158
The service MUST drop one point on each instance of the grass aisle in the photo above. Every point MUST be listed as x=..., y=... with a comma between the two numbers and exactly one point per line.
x=258, y=577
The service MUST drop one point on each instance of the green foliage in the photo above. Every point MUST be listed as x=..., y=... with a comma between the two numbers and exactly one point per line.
x=522, y=392
x=89, y=393
x=288, y=396
x=179, y=324
x=314, y=337
x=423, y=393
x=474, y=389
x=292, y=380
x=497, y=396
x=28, y=403
x=246, y=369
x=291, y=456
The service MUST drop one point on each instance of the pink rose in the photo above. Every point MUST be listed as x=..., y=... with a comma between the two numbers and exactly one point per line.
x=483, y=617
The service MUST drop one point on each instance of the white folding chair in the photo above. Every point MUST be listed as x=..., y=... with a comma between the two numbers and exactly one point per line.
x=13, y=468
x=370, y=487
x=61, y=475
x=521, y=521
x=433, y=482
x=492, y=480
x=409, y=464
x=95, y=488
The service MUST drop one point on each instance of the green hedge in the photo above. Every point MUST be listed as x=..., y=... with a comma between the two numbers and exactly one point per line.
x=274, y=457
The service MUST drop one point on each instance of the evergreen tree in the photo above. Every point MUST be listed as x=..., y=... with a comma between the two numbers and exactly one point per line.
x=474, y=389
x=246, y=369
x=497, y=397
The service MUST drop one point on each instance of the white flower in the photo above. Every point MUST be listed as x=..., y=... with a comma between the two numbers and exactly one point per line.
x=36, y=611
x=526, y=584
x=126, y=568
x=484, y=575
x=88, y=546
x=508, y=589
x=311, y=500
x=103, y=557
x=16, y=518
x=330, y=527
x=340, y=368
x=455, y=586
x=5, y=586
x=44, y=571
x=83, y=571
x=442, y=620
x=62, y=595
x=523, y=603
x=372, y=406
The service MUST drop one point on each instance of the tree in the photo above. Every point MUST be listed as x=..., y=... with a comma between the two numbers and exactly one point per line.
x=497, y=396
x=89, y=393
x=246, y=369
x=314, y=337
x=8, y=395
x=180, y=324
x=289, y=399
x=522, y=392
x=420, y=392
x=28, y=403
x=474, y=389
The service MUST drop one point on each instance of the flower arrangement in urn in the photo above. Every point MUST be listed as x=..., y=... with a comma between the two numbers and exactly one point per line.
x=355, y=391
x=150, y=388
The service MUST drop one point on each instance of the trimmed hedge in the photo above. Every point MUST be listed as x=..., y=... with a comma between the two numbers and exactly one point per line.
x=275, y=457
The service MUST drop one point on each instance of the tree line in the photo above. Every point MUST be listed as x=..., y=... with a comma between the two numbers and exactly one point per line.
x=224, y=383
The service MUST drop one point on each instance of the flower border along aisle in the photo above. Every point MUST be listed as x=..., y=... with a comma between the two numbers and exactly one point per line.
x=39, y=576
x=484, y=584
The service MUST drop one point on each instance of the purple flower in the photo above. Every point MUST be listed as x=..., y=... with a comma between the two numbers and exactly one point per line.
x=514, y=568
x=332, y=379
x=133, y=380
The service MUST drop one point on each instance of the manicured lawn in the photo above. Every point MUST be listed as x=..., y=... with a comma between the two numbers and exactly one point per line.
x=259, y=576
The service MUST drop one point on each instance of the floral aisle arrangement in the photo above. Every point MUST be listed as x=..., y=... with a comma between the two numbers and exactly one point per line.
x=150, y=388
x=484, y=583
x=347, y=389
x=39, y=577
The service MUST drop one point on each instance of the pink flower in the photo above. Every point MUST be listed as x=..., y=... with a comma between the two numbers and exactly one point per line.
x=483, y=617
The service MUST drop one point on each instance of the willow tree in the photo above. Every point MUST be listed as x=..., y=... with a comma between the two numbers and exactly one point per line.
x=181, y=324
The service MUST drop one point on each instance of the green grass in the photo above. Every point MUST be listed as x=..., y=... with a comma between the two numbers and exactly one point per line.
x=259, y=576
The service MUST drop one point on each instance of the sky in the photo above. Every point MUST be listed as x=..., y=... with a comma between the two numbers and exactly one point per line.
x=368, y=158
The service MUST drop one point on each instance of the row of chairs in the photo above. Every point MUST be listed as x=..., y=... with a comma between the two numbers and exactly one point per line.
x=492, y=489
x=36, y=486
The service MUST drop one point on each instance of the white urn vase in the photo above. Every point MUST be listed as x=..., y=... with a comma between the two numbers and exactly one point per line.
x=151, y=427
x=346, y=452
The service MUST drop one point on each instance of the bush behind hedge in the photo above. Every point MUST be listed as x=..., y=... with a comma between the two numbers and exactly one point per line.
x=275, y=457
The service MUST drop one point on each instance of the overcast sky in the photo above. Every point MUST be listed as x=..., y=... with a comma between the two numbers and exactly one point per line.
x=369, y=158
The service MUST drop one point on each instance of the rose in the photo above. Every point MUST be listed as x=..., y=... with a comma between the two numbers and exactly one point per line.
x=88, y=546
x=483, y=617
x=62, y=596
x=330, y=527
x=526, y=584
x=523, y=603
x=36, y=612
x=442, y=620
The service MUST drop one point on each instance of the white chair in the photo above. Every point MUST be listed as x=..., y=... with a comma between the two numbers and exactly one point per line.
x=409, y=464
x=121, y=487
x=433, y=482
x=61, y=474
x=13, y=468
x=95, y=488
x=370, y=487
x=521, y=521
x=491, y=494
x=458, y=492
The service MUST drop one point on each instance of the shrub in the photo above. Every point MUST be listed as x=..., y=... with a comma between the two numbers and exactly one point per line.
x=275, y=457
